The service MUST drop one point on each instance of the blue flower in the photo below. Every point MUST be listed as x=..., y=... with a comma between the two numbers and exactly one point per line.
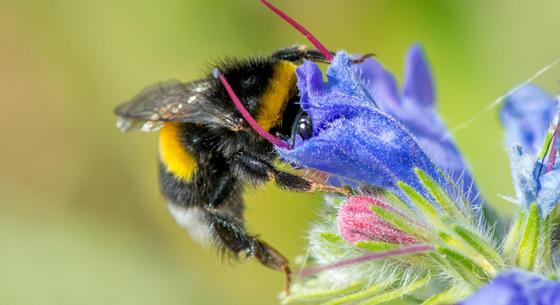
x=414, y=108
x=516, y=287
x=367, y=132
x=352, y=137
x=527, y=115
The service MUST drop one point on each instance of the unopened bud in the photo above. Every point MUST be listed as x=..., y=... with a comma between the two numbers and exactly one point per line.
x=356, y=222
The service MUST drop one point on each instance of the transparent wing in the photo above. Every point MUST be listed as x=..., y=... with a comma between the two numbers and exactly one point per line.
x=173, y=101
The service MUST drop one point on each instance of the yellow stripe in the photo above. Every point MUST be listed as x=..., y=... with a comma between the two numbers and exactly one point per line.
x=276, y=96
x=174, y=155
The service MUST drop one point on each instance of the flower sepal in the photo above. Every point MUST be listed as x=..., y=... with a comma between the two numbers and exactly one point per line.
x=398, y=242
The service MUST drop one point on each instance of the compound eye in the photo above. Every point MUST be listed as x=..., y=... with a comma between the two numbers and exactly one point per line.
x=304, y=128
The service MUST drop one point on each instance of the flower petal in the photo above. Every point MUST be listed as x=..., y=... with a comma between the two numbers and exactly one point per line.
x=380, y=83
x=523, y=175
x=418, y=84
x=352, y=138
x=517, y=287
x=526, y=114
x=415, y=110
x=549, y=194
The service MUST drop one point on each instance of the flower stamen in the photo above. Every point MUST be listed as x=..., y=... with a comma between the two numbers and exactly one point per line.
x=245, y=113
x=326, y=53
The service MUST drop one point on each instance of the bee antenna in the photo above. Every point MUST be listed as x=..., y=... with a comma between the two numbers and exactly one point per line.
x=326, y=53
x=246, y=115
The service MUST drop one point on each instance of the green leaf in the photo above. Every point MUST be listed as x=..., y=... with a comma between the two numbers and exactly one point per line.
x=376, y=246
x=330, y=237
x=448, y=268
x=370, y=291
x=439, y=194
x=423, y=205
x=470, y=272
x=403, y=206
x=546, y=237
x=397, y=293
x=481, y=246
x=458, y=245
x=399, y=222
x=514, y=235
x=545, y=146
x=528, y=246
x=449, y=296
x=321, y=294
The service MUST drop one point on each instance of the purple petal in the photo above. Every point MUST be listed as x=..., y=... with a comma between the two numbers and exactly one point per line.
x=418, y=85
x=526, y=115
x=380, y=83
x=517, y=287
x=549, y=193
x=524, y=174
x=415, y=110
x=352, y=138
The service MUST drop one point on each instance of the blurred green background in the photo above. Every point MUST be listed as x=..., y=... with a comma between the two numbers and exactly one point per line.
x=81, y=221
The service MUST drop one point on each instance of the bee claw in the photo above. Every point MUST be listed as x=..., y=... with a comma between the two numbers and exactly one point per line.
x=288, y=280
x=331, y=189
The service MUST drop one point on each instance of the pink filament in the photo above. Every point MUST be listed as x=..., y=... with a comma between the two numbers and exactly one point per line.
x=415, y=249
x=246, y=115
x=553, y=151
x=301, y=29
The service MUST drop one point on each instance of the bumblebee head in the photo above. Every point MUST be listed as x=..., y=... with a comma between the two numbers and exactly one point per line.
x=274, y=113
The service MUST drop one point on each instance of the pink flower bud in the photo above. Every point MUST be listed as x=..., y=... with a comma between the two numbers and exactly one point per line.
x=357, y=222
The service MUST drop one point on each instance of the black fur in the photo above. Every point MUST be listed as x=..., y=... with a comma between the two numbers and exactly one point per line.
x=227, y=159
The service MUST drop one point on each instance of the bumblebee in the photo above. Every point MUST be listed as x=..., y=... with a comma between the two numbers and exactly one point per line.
x=208, y=152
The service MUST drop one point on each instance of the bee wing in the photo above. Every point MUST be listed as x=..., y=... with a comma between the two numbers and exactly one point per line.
x=172, y=101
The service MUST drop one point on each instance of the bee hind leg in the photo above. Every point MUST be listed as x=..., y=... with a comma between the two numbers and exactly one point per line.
x=225, y=185
x=233, y=237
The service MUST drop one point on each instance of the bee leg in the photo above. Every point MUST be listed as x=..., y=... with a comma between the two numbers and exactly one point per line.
x=298, y=53
x=235, y=238
x=262, y=170
x=225, y=185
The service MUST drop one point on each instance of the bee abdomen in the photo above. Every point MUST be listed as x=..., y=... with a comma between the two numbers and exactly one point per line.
x=173, y=154
x=195, y=220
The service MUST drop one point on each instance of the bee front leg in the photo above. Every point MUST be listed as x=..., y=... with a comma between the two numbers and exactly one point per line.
x=298, y=53
x=259, y=170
